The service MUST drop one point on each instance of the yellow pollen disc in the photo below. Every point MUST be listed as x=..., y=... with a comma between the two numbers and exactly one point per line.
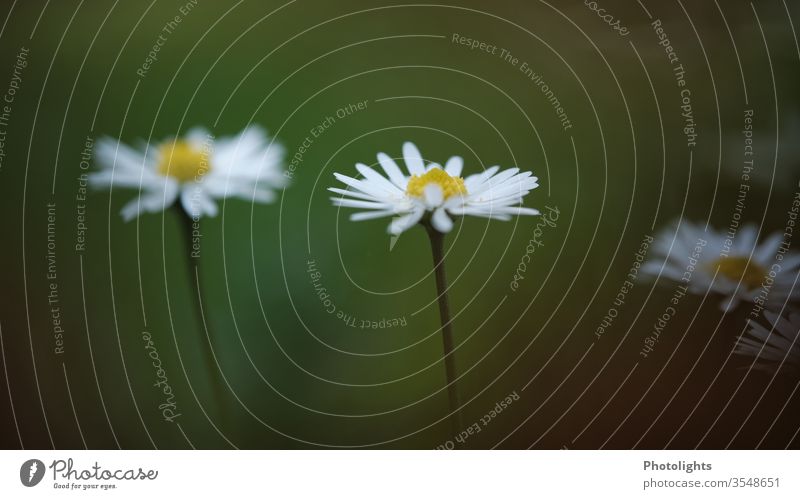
x=182, y=161
x=736, y=268
x=451, y=186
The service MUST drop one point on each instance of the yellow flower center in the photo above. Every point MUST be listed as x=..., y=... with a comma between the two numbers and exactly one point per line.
x=739, y=268
x=182, y=161
x=451, y=186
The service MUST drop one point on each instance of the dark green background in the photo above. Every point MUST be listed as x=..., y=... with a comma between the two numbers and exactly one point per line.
x=287, y=67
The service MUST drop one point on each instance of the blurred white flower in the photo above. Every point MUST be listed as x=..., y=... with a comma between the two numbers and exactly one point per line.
x=774, y=346
x=197, y=168
x=726, y=265
x=431, y=188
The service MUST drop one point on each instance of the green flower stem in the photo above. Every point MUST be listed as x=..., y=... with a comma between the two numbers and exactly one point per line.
x=437, y=247
x=196, y=290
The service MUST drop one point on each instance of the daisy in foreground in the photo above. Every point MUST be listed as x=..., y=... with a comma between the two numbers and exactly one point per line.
x=775, y=346
x=196, y=168
x=433, y=193
x=430, y=195
x=739, y=268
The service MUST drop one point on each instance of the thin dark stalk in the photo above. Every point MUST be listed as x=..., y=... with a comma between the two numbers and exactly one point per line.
x=196, y=290
x=437, y=247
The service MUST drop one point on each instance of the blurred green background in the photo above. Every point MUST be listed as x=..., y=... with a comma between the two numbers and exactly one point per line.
x=293, y=374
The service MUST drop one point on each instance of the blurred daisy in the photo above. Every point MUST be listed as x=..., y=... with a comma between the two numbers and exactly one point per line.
x=740, y=269
x=196, y=168
x=440, y=191
x=773, y=346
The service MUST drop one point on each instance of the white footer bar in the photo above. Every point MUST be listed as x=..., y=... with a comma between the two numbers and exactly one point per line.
x=401, y=474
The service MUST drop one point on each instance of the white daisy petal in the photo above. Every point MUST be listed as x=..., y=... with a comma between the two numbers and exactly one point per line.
x=111, y=154
x=377, y=179
x=262, y=196
x=774, y=347
x=131, y=209
x=123, y=179
x=152, y=201
x=767, y=249
x=361, y=185
x=402, y=224
x=484, y=214
x=189, y=202
x=413, y=159
x=520, y=182
x=232, y=153
x=519, y=210
x=392, y=170
x=510, y=192
x=197, y=202
x=208, y=206
x=354, y=194
x=433, y=195
x=745, y=239
x=441, y=221
x=510, y=200
x=353, y=203
x=786, y=328
x=454, y=166
x=197, y=136
x=369, y=215
x=479, y=178
x=495, y=181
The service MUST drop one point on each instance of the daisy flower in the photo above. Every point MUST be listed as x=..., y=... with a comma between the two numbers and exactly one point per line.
x=430, y=195
x=773, y=346
x=740, y=269
x=433, y=189
x=196, y=168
